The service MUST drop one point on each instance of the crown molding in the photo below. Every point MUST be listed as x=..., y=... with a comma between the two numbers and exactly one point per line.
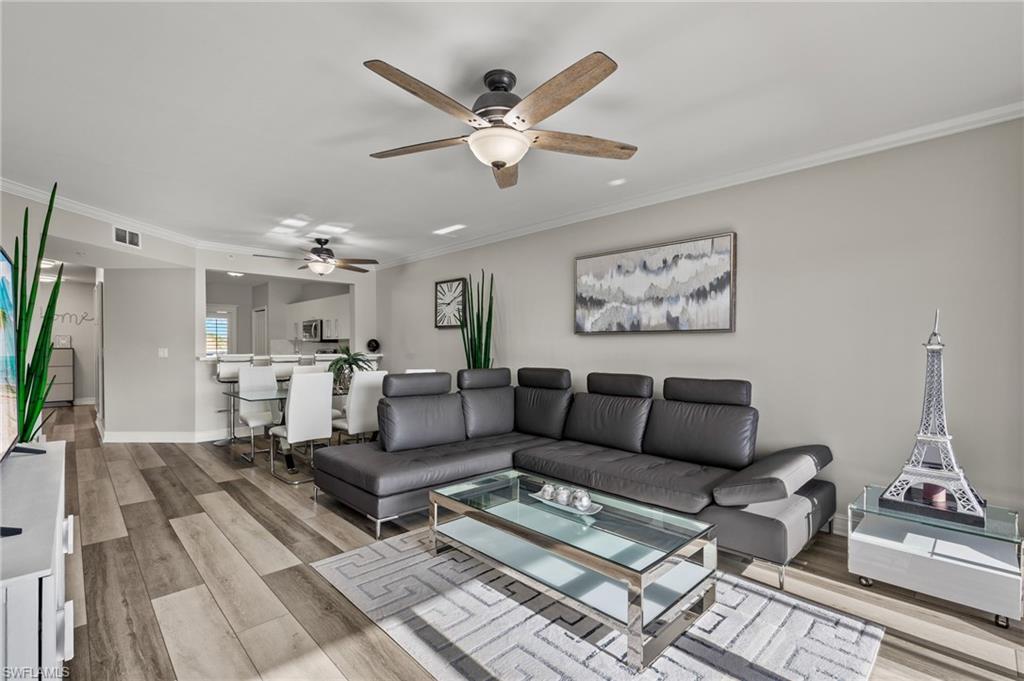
x=43, y=196
x=912, y=136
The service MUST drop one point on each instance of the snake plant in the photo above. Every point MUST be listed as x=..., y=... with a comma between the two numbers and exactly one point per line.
x=476, y=328
x=33, y=386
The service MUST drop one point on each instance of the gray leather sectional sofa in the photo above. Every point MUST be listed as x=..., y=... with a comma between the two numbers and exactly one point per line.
x=691, y=452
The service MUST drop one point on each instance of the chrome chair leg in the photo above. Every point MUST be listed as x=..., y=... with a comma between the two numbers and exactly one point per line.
x=252, y=447
x=273, y=470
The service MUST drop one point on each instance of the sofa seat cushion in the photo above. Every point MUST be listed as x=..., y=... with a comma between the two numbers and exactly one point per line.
x=672, y=484
x=368, y=467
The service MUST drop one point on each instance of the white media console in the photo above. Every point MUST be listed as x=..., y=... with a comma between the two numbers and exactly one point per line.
x=36, y=623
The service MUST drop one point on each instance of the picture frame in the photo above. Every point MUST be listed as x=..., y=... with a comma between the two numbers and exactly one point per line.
x=686, y=286
x=449, y=303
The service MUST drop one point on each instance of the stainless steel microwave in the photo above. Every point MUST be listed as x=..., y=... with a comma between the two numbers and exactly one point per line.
x=311, y=329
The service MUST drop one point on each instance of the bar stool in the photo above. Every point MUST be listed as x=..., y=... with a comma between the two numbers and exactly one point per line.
x=227, y=373
x=283, y=365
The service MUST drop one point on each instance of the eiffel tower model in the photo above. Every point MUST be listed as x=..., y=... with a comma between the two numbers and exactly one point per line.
x=932, y=463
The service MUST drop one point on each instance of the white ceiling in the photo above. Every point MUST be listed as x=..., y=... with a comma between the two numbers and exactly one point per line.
x=218, y=120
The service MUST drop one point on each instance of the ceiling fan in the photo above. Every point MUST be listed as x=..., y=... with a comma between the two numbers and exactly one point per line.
x=321, y=260
x=504, y=121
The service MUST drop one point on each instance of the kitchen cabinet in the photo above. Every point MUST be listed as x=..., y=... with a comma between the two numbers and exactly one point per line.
x=335, y=312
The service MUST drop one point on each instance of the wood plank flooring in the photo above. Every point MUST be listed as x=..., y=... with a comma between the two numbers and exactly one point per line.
x=195, y=565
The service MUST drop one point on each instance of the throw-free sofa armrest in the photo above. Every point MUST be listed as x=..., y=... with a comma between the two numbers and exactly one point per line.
x=773, y=477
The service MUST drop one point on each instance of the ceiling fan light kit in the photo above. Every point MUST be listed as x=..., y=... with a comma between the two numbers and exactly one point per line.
x=498, y=146
x=321, y=267
x=504, y=121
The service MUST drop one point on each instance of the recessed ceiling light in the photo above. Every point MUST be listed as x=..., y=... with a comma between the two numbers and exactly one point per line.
x=48, y=264
x=333, y=229
x=282, y=230
x=294, y=222
x=235, y=274
x=449, y=229
x=618, y=182
x=220, y=311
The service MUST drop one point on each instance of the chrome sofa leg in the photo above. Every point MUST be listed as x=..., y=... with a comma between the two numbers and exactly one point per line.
x=376, y=529
x=831, y=522
x=316, y=493
x=782, y=577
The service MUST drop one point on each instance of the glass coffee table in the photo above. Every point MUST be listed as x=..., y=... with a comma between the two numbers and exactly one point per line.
x=647, y=572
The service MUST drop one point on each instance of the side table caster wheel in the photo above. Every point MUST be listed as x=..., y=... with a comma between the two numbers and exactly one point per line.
x=1003, y=622
x=866, y=581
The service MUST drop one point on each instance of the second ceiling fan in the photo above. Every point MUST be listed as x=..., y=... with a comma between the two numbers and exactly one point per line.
x=504, y=122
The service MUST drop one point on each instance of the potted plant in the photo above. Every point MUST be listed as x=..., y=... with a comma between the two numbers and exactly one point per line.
x=33, y=386
x=343, y=366
x=476, y=327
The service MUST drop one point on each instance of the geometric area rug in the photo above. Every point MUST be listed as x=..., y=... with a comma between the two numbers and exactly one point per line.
x=461, y=619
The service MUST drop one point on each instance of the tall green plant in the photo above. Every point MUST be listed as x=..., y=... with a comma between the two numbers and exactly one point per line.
x=476, y=328
x=33, y=386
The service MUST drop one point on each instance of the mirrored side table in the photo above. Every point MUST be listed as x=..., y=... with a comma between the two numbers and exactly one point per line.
x=975, y=566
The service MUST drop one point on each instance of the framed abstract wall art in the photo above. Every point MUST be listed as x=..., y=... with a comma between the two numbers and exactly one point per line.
x=685, y=285
x=449, y=303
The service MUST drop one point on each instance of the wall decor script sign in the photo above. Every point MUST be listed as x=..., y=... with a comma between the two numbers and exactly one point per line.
x=685, y=285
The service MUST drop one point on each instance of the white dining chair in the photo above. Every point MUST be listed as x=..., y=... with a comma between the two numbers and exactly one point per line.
x=421, y=371
x=364, y=392
x=307, y=418
x=227, y=372
x=316, y=369
x=257, y=414
x=283, y=365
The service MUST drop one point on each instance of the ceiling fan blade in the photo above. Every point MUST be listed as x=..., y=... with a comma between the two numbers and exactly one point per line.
x=352, y=268
x=278, y=257
x=582, y=145
x=506, y=177
x=304, y=267
x=356, y=261
x=560, y=91
x=425, y=92
x=423, y=146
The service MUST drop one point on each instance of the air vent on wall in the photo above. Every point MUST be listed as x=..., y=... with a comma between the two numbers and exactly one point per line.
x=127, y=237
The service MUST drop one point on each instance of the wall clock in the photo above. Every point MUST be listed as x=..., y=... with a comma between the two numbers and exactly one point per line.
x=449, y=303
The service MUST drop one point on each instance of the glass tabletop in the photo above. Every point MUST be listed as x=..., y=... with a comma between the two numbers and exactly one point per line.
x=627, y=533
x=1000, y=523
x=266, y=395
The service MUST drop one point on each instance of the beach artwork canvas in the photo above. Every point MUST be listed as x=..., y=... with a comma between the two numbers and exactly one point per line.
x=682, y=286
x=8, y=368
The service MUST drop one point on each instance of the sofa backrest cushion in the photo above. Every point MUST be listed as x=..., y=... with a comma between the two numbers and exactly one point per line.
x=418, y=411
x=623, y=385
x=708, y=391
x=408, y=385
x=721, y=434
x=473, y=379
x=611, y=418
x=488, y=401
x=542, y=377
x=542, y=401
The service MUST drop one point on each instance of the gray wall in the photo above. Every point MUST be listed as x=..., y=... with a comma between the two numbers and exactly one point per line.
x=76, y=317
x=145, y=310
x=839, y=271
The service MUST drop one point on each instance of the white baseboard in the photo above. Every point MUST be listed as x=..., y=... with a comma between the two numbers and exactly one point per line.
x=162, y=436
x=84, y=400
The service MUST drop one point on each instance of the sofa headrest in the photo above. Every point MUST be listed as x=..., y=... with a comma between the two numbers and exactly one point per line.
x=708, y=391
x=622, y=385
x=475, y=379
x=407, y=385
x=552, y=379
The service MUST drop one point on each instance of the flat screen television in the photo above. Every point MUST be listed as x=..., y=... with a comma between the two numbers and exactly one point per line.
x=8, y=359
